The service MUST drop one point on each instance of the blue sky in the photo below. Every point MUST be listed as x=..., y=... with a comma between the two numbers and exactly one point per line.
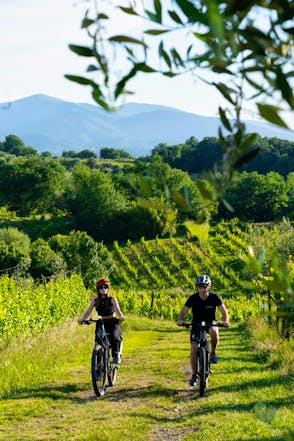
x=34, y=38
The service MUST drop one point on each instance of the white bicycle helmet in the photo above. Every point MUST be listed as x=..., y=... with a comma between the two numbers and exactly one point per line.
x=203, y=279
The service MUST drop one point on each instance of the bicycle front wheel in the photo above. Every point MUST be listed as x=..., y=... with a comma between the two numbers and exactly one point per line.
x=99, y=371
x=112, y=374
x=202, y=371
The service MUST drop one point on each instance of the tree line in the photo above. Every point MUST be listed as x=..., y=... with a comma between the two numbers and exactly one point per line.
x=195, y=156
x=149, y=197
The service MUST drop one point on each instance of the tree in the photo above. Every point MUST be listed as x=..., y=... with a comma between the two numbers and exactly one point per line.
x=290, y=191
x=170, y=154
x=14, y=249
x=79, y=250
x=28, y=185
x=86, y=154
x=94, y=201
x=111, y=153
x=258, y=197
x=69, y=154
x=44, y=261
x=15, y=146
x=224, y=46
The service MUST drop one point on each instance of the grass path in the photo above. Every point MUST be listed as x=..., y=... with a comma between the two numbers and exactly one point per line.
x=246, y=399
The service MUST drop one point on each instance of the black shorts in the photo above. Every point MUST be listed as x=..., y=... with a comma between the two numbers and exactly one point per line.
x=195, y=331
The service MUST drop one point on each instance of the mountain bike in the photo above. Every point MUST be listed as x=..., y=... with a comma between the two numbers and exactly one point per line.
x=202, y=354
x=102, y=366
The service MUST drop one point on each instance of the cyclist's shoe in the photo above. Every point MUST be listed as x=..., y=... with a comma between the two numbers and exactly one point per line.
x=193, y=380
x=213, y=358
x=117, y=359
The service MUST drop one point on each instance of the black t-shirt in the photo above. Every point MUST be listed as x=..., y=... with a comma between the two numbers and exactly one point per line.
x=105, y=306
x=203, y=310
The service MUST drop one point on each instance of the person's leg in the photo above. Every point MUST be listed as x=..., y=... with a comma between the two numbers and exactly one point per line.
x=214, y=339
x=116, y=342
x=193, y=357
x=193, y=340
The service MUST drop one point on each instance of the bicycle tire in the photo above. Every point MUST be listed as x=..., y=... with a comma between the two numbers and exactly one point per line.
x=99, y=371
x=112, y=374
x=202, y=371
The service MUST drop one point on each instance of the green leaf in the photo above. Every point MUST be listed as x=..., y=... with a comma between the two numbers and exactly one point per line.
x=270, y=113
x=102, y=16
x=244, y=159
x=169, y=74
x=224, y=119
x=201, y=37
x=249, y=140
x=130, y=11
x=125, y=39
x=215, y=20
x=228, y=206
x=192, y=14
x=205, y=190
x=177, y=58
x=80, y=80
x=225, y=91
x=151, y=16
x=284, y=87
x=81, y=50
x=157, y=7
x=87, y=22
x=163, y=54
x=92, y=68
x=137, y=67
x=181, y=200
x=174, y=16
x=156, y=31
x=144, y=68
x=97, y=96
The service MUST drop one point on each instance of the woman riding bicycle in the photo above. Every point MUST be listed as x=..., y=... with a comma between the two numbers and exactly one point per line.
x=108, y=308
x=203, y=304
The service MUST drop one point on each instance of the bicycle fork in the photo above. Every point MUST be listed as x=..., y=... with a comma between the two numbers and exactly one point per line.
x=207, y=352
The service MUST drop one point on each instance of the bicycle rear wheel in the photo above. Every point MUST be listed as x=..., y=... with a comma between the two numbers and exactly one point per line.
x=202, y=371
x=99, y=370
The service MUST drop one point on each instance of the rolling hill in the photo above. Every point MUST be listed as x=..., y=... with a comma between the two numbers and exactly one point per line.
x=51, y=124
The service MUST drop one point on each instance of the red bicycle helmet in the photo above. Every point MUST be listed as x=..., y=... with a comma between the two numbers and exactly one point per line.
x=101, y=282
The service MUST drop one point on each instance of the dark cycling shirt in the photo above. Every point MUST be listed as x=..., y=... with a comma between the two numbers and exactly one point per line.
x=203, y=310
x=105, y=307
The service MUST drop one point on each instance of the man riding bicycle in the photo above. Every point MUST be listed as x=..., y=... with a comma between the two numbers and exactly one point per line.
x=108, y=308
x=203, y=304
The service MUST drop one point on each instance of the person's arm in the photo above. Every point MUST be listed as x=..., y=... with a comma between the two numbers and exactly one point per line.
x=117, y=310
x=225, y=315
x=182, y=314
x=88, y=311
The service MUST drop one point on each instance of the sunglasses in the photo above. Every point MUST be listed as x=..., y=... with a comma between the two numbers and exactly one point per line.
x=103, y=286
x=202, y=286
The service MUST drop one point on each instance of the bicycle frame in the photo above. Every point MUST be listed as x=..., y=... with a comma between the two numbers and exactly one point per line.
x=102, y=368
x=101, y=336
x=202, y=342
x=202, y=354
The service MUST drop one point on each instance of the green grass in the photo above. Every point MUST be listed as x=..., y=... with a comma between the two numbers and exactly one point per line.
x=48, y=393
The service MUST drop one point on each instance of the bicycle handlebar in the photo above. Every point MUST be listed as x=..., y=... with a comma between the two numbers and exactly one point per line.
x=89, y=321
x=214, y=323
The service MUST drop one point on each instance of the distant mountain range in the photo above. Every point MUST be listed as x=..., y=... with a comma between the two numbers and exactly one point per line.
x=51, y=124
